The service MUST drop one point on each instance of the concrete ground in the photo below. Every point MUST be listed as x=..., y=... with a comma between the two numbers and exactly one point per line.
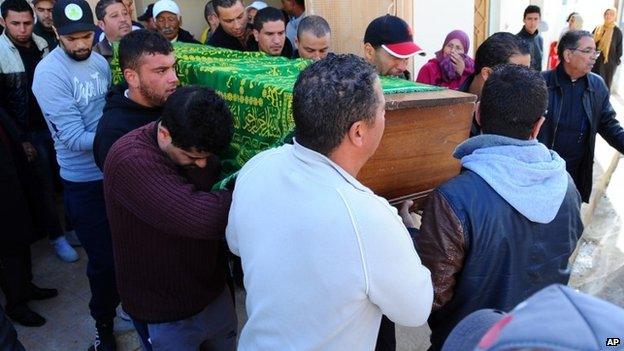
x=598, y=269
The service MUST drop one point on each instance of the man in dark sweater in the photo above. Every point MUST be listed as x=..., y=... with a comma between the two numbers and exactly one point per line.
x=269, y=33
x=530, y=34
x=147, y=61
x=167, y=226
x=233, y=32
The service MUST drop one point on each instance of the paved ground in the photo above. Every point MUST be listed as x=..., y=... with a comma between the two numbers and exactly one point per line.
x=598, y=269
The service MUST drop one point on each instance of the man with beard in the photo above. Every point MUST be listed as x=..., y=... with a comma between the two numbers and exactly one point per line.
x=578, y=109
x=388, y=44
x=114, y=20
x=269, y=33
x=168, y=21
x=71, y=85
x=43, y=27
x=147, y=61
x=168, y=226
x=232, y=32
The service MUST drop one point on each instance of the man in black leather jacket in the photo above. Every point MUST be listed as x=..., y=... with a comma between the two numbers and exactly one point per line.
x=578, y=108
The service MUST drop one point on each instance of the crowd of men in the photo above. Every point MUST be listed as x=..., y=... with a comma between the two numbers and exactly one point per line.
x=325, y=260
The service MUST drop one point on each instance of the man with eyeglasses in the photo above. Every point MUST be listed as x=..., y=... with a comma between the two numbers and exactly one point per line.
x=578, y=108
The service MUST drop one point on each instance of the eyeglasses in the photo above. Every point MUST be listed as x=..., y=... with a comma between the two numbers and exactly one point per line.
x=591, y=52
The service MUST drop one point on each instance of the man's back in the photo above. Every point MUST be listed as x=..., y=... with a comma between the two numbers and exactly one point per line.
x=323, y=256
x=504, y=256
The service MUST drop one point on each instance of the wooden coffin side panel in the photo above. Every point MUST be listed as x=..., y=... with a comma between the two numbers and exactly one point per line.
x=415, y=153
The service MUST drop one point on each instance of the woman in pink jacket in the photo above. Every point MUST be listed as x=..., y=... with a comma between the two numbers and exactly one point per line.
x=451, y=66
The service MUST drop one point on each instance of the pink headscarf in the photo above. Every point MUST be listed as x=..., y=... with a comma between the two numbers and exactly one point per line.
x=445, y=63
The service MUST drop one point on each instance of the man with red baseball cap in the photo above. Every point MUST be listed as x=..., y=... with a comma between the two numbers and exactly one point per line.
x=388, y=44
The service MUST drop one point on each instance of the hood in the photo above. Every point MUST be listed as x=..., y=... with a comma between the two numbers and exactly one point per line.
x=115, y=99
x=531, y=178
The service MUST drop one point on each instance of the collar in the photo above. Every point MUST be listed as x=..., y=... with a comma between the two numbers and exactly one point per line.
x=529, y=34
x=311, y=157
x=560, y=76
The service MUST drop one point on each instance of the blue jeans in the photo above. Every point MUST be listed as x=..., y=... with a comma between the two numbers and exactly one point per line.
x=212, y=329
x=84, y=202
x=44, y=168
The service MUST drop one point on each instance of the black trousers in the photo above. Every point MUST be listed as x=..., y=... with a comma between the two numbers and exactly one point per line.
x=386, y=340
x=16, y=275
x=8, y=336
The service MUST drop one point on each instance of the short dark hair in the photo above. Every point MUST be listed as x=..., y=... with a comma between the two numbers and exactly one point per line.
x=267, y=14
x=102, y=5
x=141, y=42
x=224, y=3
x=329, y=96
x=570, y=16
x=514, y=97
x=16, y=6
x=497, y=49
x=569, y=41
x=197, y=117
x=209, y=9
x=300, y=3
x=532, y=9
x=314, y=24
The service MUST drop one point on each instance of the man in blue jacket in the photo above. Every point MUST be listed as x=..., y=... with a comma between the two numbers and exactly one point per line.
x=505, y=227
x=578, y=109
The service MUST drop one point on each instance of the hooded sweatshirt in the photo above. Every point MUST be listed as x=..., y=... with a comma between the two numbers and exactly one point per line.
x=531, y=178
x=121, y=116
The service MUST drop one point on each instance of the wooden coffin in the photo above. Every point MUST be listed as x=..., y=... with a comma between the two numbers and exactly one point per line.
x=415, y=153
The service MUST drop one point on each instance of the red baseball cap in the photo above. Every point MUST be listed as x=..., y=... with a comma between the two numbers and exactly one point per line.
x=394, y=35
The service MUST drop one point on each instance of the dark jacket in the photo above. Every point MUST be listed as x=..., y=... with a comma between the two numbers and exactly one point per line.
x=119, y=117
x=105, y=49
x=221, y=39
x=15, y=84
x=601, y=119
x=47, y=34
x=17, y=223
x=499, y=231
x=536, y=47
x=482, y=253
x=186, y=37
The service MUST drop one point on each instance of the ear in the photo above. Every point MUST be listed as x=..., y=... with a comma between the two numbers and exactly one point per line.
x=163, y=132
x=100, y=24
x=131, y=77
x=356, y=133
x=369, y=52
x=297, y=41
x=536, y=127
x=485, y=73
x=255, y=34
x=180, y=21
x=2, y=22
x=566, y=55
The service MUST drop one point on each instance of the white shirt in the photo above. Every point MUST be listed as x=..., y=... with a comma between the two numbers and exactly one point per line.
x=323, y=257
x=291, y=29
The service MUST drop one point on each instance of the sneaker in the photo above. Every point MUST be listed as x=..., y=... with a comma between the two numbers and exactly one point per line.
x=23, y=315
x=104, y=338
x=63, y=250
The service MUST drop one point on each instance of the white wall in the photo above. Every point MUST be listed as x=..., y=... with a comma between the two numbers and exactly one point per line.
x=433, y=20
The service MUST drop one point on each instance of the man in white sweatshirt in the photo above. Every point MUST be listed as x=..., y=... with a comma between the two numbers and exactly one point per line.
x=324, y=257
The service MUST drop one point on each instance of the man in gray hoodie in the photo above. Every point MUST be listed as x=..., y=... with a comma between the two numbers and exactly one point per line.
x=506, y=226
